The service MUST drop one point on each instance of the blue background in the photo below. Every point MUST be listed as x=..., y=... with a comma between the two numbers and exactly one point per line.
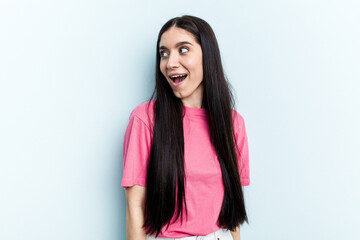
x=72, y=71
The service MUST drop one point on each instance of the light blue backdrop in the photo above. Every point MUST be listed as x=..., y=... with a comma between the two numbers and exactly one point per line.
x=72, y=71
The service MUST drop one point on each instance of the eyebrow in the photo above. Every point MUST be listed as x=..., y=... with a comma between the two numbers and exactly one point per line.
x=177, y=45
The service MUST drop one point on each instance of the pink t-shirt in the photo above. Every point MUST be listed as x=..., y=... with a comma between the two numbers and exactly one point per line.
x=204, y=188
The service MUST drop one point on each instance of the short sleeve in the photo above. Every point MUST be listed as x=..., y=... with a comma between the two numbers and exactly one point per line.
x=243, y=150
x=136, y=152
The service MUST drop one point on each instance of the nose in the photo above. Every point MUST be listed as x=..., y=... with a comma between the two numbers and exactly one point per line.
x=173, y=61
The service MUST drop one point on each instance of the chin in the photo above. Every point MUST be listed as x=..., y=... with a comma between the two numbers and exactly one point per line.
x=179, y=96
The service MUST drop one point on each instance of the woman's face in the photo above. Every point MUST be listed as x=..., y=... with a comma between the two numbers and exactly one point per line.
x=181, y=64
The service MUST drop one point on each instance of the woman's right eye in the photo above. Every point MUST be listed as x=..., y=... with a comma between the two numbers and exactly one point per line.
x=163, y=54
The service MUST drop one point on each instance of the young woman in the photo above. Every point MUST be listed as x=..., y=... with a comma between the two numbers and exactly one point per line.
x=185, y=151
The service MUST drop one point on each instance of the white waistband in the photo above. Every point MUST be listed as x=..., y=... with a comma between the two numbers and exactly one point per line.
x=210, y=236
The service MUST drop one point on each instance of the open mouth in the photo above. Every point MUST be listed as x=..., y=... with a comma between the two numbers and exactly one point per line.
x=178, y=78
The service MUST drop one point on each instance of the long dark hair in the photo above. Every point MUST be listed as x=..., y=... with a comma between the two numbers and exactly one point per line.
x=165, y=194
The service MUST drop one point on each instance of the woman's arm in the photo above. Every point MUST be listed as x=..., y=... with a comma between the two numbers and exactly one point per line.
x=236, y=234
x=135, y=212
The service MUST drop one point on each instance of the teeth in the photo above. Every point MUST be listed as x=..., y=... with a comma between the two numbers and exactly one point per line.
x=176, y=76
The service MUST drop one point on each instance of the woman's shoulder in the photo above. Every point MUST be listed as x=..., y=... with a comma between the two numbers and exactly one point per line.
x=144, y=112
x=238, y=119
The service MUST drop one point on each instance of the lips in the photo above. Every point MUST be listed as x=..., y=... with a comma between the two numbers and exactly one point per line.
x=177, y=78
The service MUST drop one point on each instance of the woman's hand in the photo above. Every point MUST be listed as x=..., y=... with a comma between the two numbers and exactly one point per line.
x=236, y=234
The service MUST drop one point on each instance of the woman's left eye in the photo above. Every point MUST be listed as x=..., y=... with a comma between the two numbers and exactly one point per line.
x=183, y=50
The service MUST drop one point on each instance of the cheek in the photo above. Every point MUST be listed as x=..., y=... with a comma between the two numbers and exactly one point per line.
x=196, y=65
x=197, y=68
x=162, y=68
x=201, y=68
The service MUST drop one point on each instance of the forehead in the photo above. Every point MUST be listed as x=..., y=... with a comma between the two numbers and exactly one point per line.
x=174, y=35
